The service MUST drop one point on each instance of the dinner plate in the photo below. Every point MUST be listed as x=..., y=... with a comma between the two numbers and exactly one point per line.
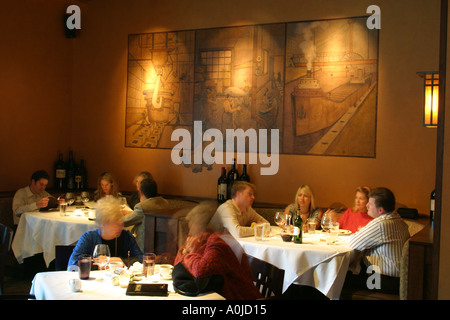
x=344, y=232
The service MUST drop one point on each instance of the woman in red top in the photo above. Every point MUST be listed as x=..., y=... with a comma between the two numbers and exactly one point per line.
x=206, y=253
x=355, y=218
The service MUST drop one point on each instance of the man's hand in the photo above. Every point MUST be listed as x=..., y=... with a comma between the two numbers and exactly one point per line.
x=42, y=203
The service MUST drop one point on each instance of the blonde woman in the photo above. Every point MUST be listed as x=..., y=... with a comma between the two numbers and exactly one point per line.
x=109, y=219
x=304, y=204
x=107, y=186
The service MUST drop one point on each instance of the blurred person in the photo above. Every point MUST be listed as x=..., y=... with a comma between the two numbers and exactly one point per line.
x=304, y=203
x=355, y=218
x=107, y=185
x=149, y=200
x=136, y=196
x=32, y=197
x=214, y=256
x=237, y=215
x=109, y=219
x=380, y=243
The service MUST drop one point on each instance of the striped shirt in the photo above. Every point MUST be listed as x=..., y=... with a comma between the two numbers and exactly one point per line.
x=381, y=241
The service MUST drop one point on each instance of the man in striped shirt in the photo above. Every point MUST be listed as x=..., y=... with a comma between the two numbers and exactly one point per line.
x=381, y=242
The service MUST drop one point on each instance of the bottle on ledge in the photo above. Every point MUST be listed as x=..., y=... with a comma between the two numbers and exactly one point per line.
x=80, y=177
x=70, y=173
x=60, y=173
x=244, y=176
x=432, y=201
x=298, y=228
x=222, y=185
x=232, y=176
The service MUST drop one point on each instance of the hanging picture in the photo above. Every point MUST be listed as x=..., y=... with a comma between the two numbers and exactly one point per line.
x=315, y=82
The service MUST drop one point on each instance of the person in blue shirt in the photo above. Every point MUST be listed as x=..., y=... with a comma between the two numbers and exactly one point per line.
x=109, y=219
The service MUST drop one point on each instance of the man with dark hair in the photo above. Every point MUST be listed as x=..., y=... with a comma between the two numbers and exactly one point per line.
x=32, y=197
x=381, y=244
x=149, y=200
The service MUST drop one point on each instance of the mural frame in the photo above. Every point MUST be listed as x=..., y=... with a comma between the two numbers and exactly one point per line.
x=314, y=81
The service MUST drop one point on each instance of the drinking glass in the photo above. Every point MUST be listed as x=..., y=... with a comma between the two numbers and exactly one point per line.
x=84, y=266
x=326, y=221
x=123, y=202
x=311, y=223
x=101, y=256
x=85, y=197
x=70, y=198
x=280, y=219
x=148, y=263
x=288, y=224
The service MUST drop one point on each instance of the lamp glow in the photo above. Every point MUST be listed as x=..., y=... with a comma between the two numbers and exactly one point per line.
x=431, y=96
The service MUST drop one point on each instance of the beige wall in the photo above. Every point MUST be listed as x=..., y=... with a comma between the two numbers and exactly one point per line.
x=36, y=86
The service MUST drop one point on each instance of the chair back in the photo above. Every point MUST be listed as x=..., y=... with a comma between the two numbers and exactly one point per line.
x=62, y=256
x=404, y=264
x=5, y=244
x=267, y=277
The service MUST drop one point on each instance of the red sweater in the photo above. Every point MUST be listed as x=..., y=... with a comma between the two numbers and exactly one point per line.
x=214, y=256
x=353, y=221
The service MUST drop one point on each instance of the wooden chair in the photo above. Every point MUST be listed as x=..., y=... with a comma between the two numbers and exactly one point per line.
x=6, y=235
x=62, y=256
x=5, y=244
x=268, y=278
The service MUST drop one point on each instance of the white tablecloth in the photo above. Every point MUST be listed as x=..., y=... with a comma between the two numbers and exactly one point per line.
x=41, y=231
x=312, y=263
x=55, y=286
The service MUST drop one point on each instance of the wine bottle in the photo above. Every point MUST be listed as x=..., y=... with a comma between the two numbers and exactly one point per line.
x=244, y=176
x=232, y=176
x=432, y=200
x=298, y=228
x=222, y=185
x=80, y=177
x=70, y=173
x=60, y=173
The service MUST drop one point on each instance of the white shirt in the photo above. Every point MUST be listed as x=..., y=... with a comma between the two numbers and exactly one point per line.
x=230, y=217
x=25, y=201
x=382, y=241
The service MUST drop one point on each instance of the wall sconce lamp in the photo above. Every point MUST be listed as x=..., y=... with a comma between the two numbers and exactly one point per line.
x=431, y=101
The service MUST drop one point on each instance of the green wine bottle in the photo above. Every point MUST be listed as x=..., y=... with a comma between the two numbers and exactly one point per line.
x=298, y=228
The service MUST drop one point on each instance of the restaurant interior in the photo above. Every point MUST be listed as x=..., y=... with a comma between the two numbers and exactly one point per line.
x=70, y=93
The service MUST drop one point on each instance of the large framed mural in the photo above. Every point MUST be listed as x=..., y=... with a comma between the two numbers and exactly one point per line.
x=314, y=81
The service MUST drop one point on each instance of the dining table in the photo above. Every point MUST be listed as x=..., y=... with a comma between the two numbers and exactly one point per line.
x=40, y=231
x=54, y=285
x=315, y=262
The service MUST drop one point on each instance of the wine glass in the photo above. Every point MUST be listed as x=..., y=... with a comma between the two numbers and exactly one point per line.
x=326, y=221
x=101, y=256
x=280, y=219
x=85, y=197
x=70, y=198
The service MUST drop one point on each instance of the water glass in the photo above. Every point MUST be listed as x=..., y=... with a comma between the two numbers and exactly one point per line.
x=148, y=263
x=311, y=223
x=62, y=208
x=334, y=232
x=259, y=231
